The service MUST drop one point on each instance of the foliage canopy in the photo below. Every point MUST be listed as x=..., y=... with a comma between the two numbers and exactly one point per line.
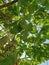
x=24, y=29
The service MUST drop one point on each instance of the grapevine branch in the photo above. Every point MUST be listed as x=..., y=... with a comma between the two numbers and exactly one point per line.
x=8, y=4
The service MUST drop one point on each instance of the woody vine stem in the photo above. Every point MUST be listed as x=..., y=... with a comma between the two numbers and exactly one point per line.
x=8, y=4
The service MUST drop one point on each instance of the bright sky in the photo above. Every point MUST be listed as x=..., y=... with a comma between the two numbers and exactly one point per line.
x=45, y=63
